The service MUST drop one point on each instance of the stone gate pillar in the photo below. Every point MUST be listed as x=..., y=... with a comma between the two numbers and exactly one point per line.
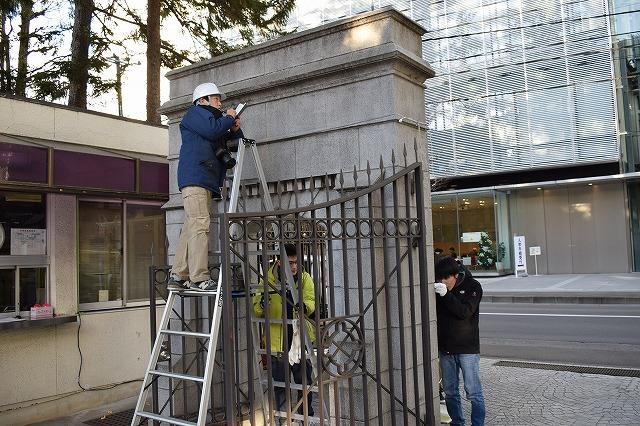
x=319, y=101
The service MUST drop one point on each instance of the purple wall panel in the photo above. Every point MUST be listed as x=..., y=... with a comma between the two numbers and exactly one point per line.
x=93, y=171
x=20, y=163
x=154, y=177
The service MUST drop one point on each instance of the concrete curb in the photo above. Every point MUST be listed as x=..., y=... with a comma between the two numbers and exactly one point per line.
x=583, y=297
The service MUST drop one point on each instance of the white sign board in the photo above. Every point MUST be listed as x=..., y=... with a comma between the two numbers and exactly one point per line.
x=471, y=237
x=520, y=256
x=28, y=241
x=535, y=251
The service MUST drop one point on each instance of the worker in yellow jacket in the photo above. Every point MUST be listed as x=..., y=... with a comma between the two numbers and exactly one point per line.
x=279, y=354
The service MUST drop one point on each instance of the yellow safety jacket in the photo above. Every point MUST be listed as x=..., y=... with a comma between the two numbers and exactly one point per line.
x=276, y=334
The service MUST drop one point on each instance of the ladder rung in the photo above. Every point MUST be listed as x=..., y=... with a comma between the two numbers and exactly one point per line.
x=171, y=420
x=177, y=375
x=208, y=293
x=295, y=386
x=186, y=333
x=282, y=414
x=271, y=320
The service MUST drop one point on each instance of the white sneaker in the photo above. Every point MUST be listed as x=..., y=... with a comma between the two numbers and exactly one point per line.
x=206, y=285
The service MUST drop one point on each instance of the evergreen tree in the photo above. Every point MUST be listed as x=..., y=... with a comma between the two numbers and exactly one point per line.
x=486, y=251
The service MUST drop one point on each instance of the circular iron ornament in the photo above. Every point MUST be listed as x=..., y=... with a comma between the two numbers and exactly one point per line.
x=321, y=228
x=392, y=229
x=415, y=227
x=306, y=229
x=351, y=228
x=365, y=227
x=403, y=227
x=289, y=230
x=236, y=230
x=344, y=343
x=336, y=228
x=160, y=276
x=272, y=230
x=255, y=230
x=378, y=228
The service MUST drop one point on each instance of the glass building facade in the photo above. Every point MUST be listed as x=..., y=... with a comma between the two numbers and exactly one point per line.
x=520, y=86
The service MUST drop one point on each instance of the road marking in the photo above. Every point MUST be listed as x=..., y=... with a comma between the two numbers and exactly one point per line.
x=559, y=315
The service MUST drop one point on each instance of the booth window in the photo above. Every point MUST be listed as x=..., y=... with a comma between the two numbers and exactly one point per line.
x=118, y=242
x=23, y=252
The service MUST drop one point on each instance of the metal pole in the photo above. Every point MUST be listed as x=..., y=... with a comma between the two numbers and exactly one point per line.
x=152, y=328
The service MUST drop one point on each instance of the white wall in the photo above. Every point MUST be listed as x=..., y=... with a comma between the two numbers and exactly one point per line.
x=54, y=122
x=39, y=363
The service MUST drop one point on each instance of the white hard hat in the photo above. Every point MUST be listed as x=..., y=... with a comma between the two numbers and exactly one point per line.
x=206, y=89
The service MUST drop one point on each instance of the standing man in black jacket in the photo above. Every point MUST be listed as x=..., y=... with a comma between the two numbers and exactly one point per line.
x=457, y=307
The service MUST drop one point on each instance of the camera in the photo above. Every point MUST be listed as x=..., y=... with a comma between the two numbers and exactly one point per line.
x=223, y=154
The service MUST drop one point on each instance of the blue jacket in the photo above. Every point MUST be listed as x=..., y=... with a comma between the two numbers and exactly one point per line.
x=201, y=134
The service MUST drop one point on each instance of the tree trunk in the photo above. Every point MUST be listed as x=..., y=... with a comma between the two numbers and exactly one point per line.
x=153, y=61
x=5, y=63
x=80, y=40
x=26, y=14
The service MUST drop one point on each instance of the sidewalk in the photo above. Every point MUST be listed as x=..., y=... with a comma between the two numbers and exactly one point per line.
x=514, y=396
x=623, y=288
x=526, y=396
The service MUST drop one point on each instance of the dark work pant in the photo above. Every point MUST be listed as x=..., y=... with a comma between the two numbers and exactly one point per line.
x=295, y=371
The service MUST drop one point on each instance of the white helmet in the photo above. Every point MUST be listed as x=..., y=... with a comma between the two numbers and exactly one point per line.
x=206, y=89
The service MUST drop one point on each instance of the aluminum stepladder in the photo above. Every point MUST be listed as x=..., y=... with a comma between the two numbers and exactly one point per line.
x=152, y=373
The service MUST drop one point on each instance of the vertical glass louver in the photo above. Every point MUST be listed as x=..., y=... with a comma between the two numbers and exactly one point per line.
x=519, y=84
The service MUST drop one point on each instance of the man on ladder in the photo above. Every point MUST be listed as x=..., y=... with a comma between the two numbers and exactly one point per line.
x=204, y=160
x=276, y=332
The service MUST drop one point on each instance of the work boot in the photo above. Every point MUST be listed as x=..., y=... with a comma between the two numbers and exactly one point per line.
x=176, y=284
x=206, y=285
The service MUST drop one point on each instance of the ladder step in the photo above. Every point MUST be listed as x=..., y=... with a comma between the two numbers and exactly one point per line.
x=208, y=293
x=186, y=333
x=177, y=375
x=171, y=420
x=283, y=414
x=294, y=386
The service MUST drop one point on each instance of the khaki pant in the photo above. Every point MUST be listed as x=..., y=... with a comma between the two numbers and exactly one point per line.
x=192, y=255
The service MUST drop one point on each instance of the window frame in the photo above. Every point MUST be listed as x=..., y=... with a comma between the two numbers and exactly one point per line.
x=17, y=266
x=123, y=302
x=20, y=261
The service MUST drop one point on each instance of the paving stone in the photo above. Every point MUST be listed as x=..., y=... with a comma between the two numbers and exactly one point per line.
x=522, y=396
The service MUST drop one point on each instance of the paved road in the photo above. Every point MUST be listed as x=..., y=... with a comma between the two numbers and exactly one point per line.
x=581, y=334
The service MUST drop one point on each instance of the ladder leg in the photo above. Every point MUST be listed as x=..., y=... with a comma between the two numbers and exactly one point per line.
x=153, y=359
x=211, y=354
x=268, y=203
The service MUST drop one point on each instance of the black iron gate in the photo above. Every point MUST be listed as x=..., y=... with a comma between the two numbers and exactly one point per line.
x=360, y=238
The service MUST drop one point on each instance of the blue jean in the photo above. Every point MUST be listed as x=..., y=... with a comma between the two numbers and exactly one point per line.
x=450, y=365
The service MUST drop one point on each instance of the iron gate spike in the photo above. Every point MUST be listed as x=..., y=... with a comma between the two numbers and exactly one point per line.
x=404, y=153
x=393, y=160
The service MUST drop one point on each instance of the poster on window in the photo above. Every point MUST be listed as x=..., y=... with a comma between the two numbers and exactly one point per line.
x=26, y=241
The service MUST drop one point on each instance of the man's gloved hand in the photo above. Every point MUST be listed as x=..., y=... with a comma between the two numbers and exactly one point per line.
x=236, y=125
x=441, y=288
